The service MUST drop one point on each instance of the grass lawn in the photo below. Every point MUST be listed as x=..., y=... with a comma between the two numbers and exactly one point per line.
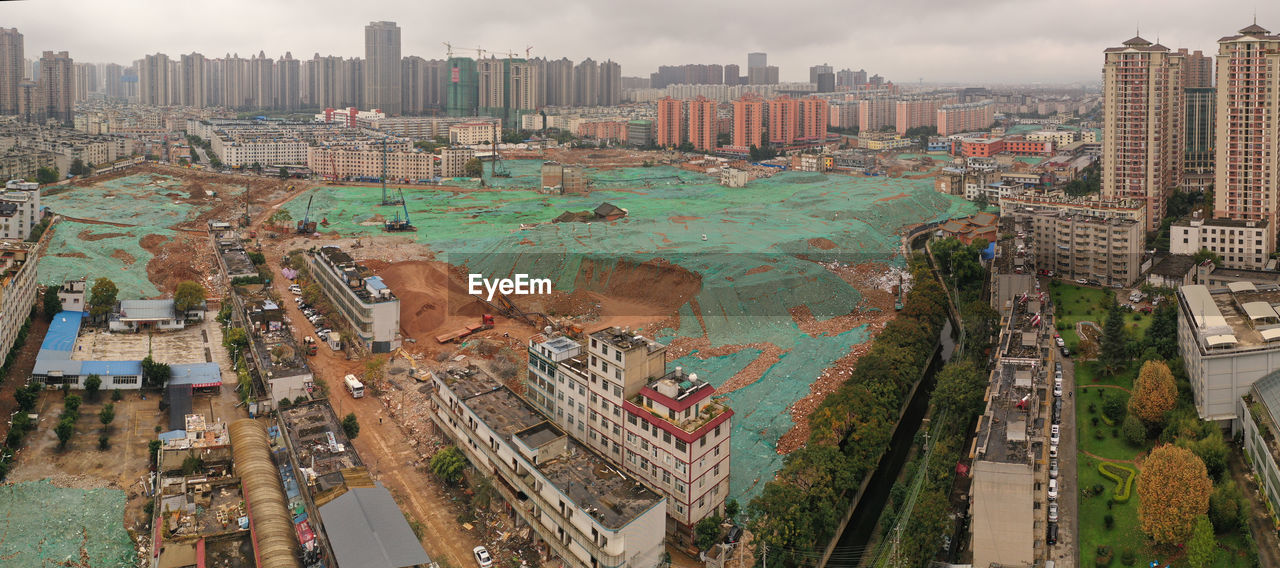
x=1088, y=374
x=1111, y=445
x=1123, y=535
x=1074, y=304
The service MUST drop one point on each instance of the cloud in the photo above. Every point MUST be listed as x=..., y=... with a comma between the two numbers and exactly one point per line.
x=972, y=41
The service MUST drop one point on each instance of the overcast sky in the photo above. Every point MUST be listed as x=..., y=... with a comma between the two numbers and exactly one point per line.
x=978, y=41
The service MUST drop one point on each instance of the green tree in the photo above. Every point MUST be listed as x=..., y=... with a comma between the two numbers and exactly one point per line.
x=731, y=509
x=155, y=375
x=1112, y=356
x=351, y=426
x=52, y=304
x=235, y=338
x=47, y=175
x=1113, y=405
x=107, y=415
x=153, y=448
x=1206, y=254
x=116, y=396
x=472, y=168
x=71, y=405
x=27, y=397
x=284, y=172
x=189, y=295
x=1133, y=430
x=77, y=167
x=102, y=297
x=65, y=429
x=92, y=385
x=960, y=390
x=1225, y=507
x=685, y=146
x=1163, y=333
x=281, y=217
x=707, y=532
x=982, y=202
x=1203, y=546
x=1212, y=450
x=448, y=464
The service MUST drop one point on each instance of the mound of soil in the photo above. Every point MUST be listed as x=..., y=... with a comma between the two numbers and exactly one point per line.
x=89, y=236
x=821, y=243
x=124, y=257
x=72, y=255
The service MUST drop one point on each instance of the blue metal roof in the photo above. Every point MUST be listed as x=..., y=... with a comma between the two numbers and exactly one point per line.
x=172, y=435
x=376, y=283
x=63, y=331
x=111, y=368
x=195, y=374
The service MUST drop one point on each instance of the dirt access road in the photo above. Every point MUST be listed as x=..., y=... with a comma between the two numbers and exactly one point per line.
x=382, y=446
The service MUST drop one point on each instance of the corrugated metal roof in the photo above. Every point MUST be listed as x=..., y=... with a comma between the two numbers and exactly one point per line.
x=1241, y=286
x=1202, y=308
x=376, y=283
x=146, y=309
x=196, y=374
x=366, y=528
x=1218, y=340
x=1258, y=310
x=1270, y=334
x=111, y=368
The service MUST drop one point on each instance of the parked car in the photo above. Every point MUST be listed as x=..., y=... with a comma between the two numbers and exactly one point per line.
x=1053, y=512
x=1051, y=536
x=1053, y=451
x=1066, y=352
x=482, y=557
x=1055, y=434
x=324, y=333
x=1053, y=468
x=1081, y=281
x=1057, y=367
x=1057, y=411
x=1053, y=490
x=734, y=535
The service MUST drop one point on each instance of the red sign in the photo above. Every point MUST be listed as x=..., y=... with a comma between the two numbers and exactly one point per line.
x=455, y=74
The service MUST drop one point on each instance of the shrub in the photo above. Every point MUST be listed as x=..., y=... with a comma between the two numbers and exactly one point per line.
x=1123, y=475
x=1127, y=557
x=1104, y=556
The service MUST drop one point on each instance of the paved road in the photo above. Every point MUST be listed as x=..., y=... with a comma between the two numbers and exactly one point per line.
x=1066, y=553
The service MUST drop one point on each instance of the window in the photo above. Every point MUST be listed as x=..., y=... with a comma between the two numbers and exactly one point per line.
x=644, y=444
x=681, y=467
x=666, y=477
x=617, y=356
x=593, y=343
x=617, y=430
x=571, y=419
x=715, y=470
x=717, y=452
x=717, y=430
x=631, y=419
x=631, y=438
x=666, y=437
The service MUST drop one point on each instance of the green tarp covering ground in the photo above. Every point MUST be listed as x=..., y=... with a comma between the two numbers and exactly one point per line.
x=43, y=525
x=769, y=223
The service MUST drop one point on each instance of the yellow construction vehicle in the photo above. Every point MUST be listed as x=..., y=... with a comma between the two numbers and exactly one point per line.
x=413, y=366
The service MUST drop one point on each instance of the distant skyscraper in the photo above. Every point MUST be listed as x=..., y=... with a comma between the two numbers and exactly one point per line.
x=784, y=118
x=1198, y=157
x=382, y=67
x=58, y=85
x=610, y=83
x=844, y=78
x=757, y=59
x=524, y=79
x=11, y=69
x=462, y=91
x=262, y=81
x=814, y=117
x=413, y=84
x=586, y=83
x=1248, y=110
x=817, y=70
x=288, y=83
x=1142, y=125
x=767, y=75
x=559, y=82
x=191, y=83
x=153, y=80
x=30, y=106
x=1199, y=69
x=732, y=75
x=112, y=73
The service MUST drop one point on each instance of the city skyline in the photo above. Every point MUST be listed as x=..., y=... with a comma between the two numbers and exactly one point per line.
x=868, y=39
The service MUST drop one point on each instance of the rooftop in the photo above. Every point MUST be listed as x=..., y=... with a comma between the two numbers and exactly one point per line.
x=1241, y=317
x=621, y=338
x=612, y=497
x=366, y=528
x=1004, y=434
x=360, y=281
x=318, y=439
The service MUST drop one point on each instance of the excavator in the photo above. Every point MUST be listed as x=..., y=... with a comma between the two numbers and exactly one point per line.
x=413, y=366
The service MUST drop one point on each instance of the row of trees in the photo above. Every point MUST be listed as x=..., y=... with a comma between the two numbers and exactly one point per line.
x=849, y=432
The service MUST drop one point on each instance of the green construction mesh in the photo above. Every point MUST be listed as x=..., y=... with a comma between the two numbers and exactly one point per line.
x=44, y=525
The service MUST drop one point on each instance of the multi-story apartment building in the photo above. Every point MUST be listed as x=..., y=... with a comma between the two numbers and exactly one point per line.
x=1199, y=69
x=965, y=117
x=703, y=126
x=914, y=112
x=784, y=117
x=586, y=511
x=1247, y=167
x=1228, y=338
x=19, y=209
x=814, y=117
x=365, y=301
x=615, y=394
x=1060, y=138
x=670, y=112
x=17, y=290
x=382, y=73
x=877, y=112
x=1197, y=165
x=153, y=80
x=11, y=61
x=1242, y=243
x=453, y=161
x=1086, y=239
x=1142, y=118
x=344, y=162
x=748, y=122
x=471, y=133
x=843, y=115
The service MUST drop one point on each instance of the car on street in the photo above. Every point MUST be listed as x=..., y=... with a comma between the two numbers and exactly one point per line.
x=733, y=535
x=1058, y=339
x=1053, y=512
x=1081, y=281
x=1057, y=367
x=482, y=557
x=1053, y=451
x=1051, y=536
x=1057, y=411
x=1053, y=490
x=1066, y=352
x=1055, y=434
x=1053, y=468
x=1057, y=389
